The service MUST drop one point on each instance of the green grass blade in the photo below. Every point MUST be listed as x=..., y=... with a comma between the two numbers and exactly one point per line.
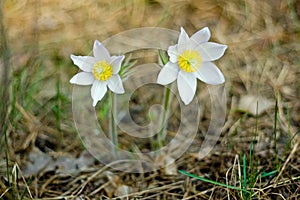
x=245, y=171
x=163, y=56
x=25, y=189
x=275, y=135
x=210, y=181
x=266, y=174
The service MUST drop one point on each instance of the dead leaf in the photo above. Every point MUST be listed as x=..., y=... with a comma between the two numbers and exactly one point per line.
x=112, y=184
x=167, y=163
x=254, y=104
x=123, y=190
x=42, y=162
x=38, y=161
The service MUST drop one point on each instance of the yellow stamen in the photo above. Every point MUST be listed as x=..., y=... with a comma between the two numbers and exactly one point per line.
x=190, y=61
x=102, y=71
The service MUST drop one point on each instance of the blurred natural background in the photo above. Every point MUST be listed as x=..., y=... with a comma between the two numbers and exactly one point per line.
x=41, y=155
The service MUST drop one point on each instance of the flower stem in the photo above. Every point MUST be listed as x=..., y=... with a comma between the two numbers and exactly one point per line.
x=163, y=131
x=166, y=102
x=113, y=135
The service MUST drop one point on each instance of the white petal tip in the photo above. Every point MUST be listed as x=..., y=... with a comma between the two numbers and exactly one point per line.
x=159, y=81
x=97, y=42
x=186, y=101
x=72, y=56
x=120, y=91
x=224, y=47
x=182, y=30
x=95, y=102
x=219, y=82
x=73, y=80
x=122, y=57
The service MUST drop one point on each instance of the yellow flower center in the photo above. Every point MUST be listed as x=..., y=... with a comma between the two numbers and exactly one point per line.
x=102, y=71
x=190, y=61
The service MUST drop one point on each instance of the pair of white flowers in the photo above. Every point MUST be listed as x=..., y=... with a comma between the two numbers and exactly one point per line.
x=190, y=59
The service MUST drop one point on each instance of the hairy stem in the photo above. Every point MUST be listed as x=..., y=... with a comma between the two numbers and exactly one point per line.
x=163, y=131
x=112, y=126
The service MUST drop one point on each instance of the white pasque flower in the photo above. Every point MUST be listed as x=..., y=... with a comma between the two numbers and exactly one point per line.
x=190, y=59
x=100, y=71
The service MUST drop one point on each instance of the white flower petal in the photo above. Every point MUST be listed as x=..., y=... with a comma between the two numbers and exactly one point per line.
x=112, y=58
x=100, y=52
x=116, y=62
x=168, y=73
x=210, y=73
x=183, y=41
x=187, y=84
x=173, y=53
x=211, y=51
x=115, y=84
x=82, y=78
x=98, y=91
x=201, y=36
x=85, y=63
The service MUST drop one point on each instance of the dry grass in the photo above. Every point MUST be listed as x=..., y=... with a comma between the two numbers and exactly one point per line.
x=262, y=60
